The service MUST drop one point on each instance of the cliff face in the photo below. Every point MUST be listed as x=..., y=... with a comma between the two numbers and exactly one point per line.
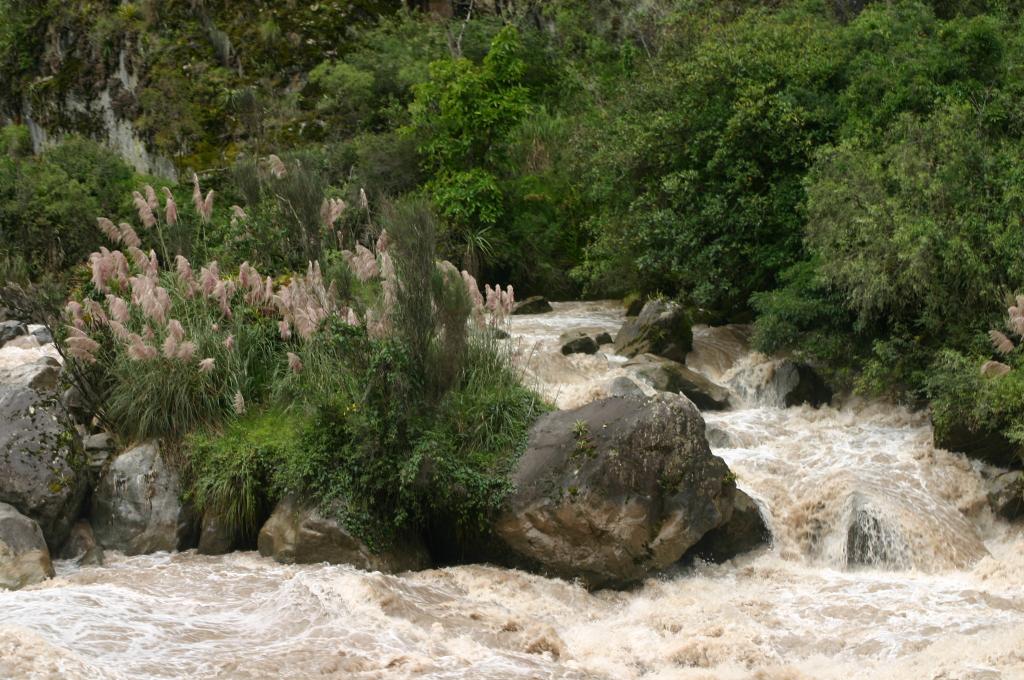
x=169, y=85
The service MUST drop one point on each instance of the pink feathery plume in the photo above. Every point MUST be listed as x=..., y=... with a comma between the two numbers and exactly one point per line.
x=170, y=347
x=206, y=365
x=128, y=236
x=284, y=329
x=74, y=313
x=145, y=212
x=186, y=351
x=140, y=351
x=93, y=310
x=118, y=308
x=151, y=199
x=239, y=403
x=176, y=330
x=170, y=208
x=229, y=342
x=276, y=166
x=207, y=211
x=238, y=213
x=108, y=229
x=197, y=194
x=294, y=363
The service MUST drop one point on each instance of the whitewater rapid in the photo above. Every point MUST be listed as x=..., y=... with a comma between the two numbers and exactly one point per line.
x=940, y=595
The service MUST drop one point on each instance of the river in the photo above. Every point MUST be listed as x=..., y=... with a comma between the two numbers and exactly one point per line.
x=937, y=591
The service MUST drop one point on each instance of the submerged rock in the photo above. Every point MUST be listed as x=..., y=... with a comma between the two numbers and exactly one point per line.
x=662, y=328
x=1006, y=495
x=215, y=537
x=10, y=330
x=81, y=545
x=985, y=445
x=583, y=340
x=666, y=375
x=780, y=383
x=296, y=534
x=24, y=557
x=577, y=342
x=745, y=531
x=41, y=463
x=614, y=490
x=532, y=305
x=137, y=507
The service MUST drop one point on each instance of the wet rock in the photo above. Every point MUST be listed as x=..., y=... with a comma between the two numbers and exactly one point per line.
x=633, y=304
x=577, y=342
x=10, y=330
x=662, y=328
x=215, y=536
x=986, y=445
x=101, y=441
x=497, y=333
x=665, y=375
x=295, y=534
x=537, y=304
x=780, y=383
x=41, y=462
x=614, y=490
x=41, y=333
x=81, y=546
x=623, y=387
x=1006, y=495
x=24, y=557
x=716, y=349
x=874, y=541
x=137, y=507
x=745, y=531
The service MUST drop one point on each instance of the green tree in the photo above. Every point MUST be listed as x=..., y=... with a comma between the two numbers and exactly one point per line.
x=461, y=118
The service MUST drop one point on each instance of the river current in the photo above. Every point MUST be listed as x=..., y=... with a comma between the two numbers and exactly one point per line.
x=937, y=593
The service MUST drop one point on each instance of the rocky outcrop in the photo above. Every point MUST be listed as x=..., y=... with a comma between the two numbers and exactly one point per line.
x=24, y=557
x=745, y=531
x=662, y=328
x=10, y=330
x=137, y=507
x=716, y=349
x=215, y=536
x=532, y=305
x=614, y=490
x=583, y=340
x=633, y=304
x=1006, y=495
x=780, y=383
x=666, y=375
x=297, y=534
x=81, y=545
x=623, y=387
x=41, y=463
x=986, y=445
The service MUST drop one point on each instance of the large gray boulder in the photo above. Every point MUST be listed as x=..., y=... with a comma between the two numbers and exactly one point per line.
x=216, y=536
x=81, y=545
x=666, y=375
x=299, y=534
x=532, y=305
x=583, y=340
x=662, y=328
x=745, y=531
x=990, y=446
x=612, y=491
x=41, y=463
x=137, y=507
x=24, y=557
x=1006, y=495
x=10, y=330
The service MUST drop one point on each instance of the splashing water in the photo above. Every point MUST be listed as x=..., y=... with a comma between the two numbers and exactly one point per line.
x=885, y=564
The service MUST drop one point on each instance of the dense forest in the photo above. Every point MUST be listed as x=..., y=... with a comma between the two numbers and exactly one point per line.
x=846, y=175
